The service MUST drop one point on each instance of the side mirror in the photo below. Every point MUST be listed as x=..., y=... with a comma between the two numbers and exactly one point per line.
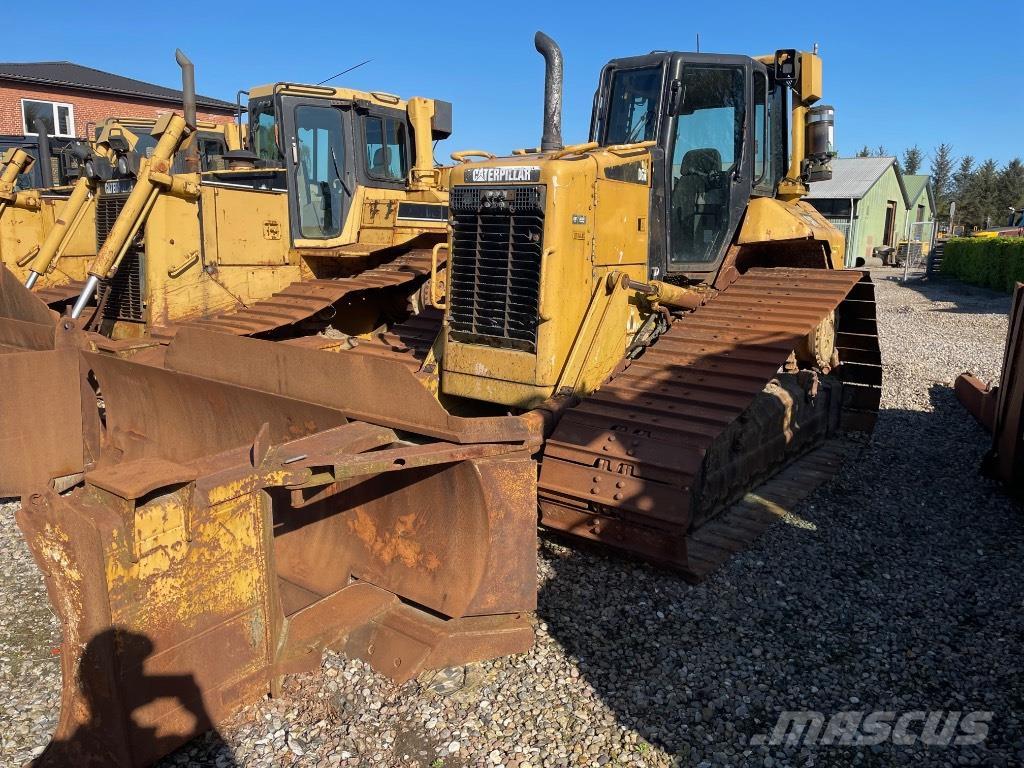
x=787, y=66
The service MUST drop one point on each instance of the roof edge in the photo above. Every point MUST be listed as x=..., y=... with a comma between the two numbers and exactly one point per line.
x=207, y=102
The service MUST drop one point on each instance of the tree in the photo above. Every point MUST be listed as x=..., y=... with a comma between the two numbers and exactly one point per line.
x=981, y=198
x=1010, y=188
x=864, y=152
x=962, y=177
x=881, y=151
x=942, y=175
x=912, y=159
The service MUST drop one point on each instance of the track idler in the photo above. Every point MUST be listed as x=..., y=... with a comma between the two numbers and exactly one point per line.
x=229, y=534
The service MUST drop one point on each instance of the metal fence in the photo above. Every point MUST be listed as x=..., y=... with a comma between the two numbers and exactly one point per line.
x=913, y=251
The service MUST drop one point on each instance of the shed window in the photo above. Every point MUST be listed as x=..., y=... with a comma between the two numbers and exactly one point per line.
x=59, y=118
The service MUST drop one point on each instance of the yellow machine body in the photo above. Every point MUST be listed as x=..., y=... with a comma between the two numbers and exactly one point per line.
x=219, y=241
x=595, y=238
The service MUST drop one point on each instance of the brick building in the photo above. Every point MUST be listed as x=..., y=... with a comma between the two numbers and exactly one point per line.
x=70, y=98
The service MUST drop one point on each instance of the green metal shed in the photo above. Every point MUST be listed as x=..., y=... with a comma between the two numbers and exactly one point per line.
x=866, y=199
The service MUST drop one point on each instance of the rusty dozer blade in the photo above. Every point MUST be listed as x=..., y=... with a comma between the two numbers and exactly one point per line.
x=646, y=462
x=41, y=433
x=232, y=531
x=1000, y=408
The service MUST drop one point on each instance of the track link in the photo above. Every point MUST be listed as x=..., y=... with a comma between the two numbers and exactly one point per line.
x=625, y=466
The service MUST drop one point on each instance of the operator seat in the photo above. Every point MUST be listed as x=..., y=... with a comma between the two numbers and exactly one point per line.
x=381, y=166
x=695, y=204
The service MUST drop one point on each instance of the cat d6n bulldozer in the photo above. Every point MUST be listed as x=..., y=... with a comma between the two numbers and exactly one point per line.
x=627, y=333
x=326, y=221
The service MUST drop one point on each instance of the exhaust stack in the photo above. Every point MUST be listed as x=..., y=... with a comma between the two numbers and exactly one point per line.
x=188, y=97
x=45, y=158
x=551, y=139
x=188, y=87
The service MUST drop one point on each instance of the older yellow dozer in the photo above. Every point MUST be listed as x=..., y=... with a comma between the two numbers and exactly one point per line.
x=632, y=333
x=329, y=221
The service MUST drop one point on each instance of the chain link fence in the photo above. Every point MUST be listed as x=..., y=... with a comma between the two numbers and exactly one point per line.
x=912, y=253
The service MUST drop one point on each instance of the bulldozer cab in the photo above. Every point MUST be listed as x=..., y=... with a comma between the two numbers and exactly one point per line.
x=334, y=145
x=717, y=127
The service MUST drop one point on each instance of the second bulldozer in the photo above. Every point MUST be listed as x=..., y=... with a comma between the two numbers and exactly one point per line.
x=328, y=221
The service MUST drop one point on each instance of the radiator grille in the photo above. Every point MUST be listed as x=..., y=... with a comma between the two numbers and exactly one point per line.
x=108, y=207
x=120, y=296
x=497, y=240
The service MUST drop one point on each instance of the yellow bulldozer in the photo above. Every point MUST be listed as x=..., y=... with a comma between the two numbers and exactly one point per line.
x=339, y=187
x=625, y=335
x=329, y=221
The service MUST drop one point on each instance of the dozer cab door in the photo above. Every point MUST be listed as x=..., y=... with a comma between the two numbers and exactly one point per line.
x=317, y=153
x=708, y=173
x=698, y=109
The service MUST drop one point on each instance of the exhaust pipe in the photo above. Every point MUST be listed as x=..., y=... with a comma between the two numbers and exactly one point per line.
x=45, y=158
x=188, y=96
x=551, y=139
x=188, y=87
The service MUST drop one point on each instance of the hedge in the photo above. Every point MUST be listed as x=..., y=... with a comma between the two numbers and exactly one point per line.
x=996, y=262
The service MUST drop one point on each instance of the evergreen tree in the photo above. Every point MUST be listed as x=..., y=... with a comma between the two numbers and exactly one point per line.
x=864, y=152
x=942, y=175
x=912, y=159
x=962, y=177
x=1010, y=189
x=981, y=201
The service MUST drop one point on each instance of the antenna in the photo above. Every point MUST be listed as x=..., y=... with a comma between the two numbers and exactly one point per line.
x=344, y=72
x=698, y=42
x=815, y=49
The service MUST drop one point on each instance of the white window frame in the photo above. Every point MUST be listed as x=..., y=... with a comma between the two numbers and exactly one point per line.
x=56, y=122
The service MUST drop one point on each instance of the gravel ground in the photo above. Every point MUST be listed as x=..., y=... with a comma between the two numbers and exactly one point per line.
x=900, y=590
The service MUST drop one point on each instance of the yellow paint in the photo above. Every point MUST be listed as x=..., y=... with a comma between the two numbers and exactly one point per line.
x=578, y=260
x=772, y=220
x=397, y=543
x=177, y=582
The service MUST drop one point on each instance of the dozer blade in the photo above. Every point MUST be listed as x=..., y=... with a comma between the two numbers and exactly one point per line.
x=41, y=418
x=232, y=530
x=646, y=463
x=1000, y=407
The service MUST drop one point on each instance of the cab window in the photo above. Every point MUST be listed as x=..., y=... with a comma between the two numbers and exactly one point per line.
x=211, y=152
x=263, y=130
x=321, y=162
x=633, y=104
x=386, y=148
x=762, y=144
x=706, y=152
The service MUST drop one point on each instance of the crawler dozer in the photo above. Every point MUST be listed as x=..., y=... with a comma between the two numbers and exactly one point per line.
x=338, y=195
x=329, y=221
x=627, y=334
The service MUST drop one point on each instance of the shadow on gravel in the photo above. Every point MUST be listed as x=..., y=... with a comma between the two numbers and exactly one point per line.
x=98, y=726
x=902, y=593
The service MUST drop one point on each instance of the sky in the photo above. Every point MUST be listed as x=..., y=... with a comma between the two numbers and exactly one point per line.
x=897, y=73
